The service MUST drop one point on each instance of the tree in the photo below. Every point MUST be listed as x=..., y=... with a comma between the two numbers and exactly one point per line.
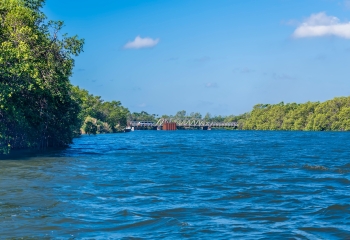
x=112, y=116
x=36, y=106
x=195, y=115
x=207, y=117
x=180, y=114
x=344, y=119
x=90, y=125
x=142, y=116
x=332, y=115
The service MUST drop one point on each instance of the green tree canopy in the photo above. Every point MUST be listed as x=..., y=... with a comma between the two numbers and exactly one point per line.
x=36, y=61
x=332, y=115
x=109, y=116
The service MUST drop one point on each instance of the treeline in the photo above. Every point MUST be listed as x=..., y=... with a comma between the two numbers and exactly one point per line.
x=332, y=115
x=142, y=116
x=194, y=115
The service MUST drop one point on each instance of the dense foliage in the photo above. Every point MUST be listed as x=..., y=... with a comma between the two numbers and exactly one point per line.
x=183, y=115
x=332, y=115
x=36, y=61
x=142, y=116
x=98, y=116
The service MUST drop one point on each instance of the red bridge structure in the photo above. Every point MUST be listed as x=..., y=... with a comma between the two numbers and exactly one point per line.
x=169, y=126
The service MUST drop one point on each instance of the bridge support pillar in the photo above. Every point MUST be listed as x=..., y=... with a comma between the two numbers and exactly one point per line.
x=169, y=126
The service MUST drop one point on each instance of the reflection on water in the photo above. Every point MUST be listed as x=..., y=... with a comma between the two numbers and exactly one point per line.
x=183, y=184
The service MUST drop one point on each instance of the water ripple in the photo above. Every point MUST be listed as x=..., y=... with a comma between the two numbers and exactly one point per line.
x=183, y=184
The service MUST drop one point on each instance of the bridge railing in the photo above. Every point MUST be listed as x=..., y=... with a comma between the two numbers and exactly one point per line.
x=194, y=123
x=182, y=123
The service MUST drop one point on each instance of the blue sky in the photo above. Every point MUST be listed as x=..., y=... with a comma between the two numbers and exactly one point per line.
x=220, y=56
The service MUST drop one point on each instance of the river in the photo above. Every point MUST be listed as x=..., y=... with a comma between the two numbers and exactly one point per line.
x=181, y=185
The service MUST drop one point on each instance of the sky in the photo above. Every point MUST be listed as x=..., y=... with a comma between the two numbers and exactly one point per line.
x=216, y=56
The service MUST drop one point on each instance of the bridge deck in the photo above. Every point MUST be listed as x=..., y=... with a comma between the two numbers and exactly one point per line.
x=183, y=123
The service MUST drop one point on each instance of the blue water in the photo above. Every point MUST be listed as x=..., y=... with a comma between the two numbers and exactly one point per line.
x=182, y=184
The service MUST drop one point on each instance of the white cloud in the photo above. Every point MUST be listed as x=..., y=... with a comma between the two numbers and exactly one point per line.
x=142, y=105
x=140, y=42
x=319, y=25
x=211, y=85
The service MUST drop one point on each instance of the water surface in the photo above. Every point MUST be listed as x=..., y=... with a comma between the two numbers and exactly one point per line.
x=182, y=184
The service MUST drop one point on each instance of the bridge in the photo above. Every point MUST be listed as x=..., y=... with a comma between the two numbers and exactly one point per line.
x=183, y=123
x=194, y=123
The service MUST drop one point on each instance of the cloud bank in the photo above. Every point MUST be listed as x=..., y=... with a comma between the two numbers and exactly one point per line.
x=319, y=25
x=140, y=42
